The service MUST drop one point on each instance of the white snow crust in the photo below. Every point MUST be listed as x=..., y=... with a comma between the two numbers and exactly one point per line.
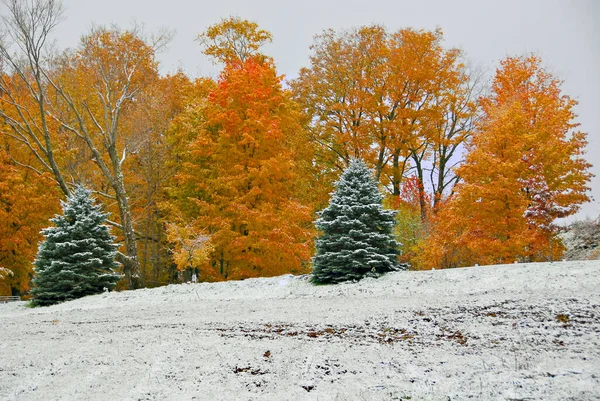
x=511, y=332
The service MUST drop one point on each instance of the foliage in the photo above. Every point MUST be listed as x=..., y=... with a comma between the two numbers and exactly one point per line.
x=77, y=256
x=67, y=108
x=410, y=228
x=357, y=233
x=246, y=162
x=399, y=101
x=524, y=169
x=191, y=247
x=233, y=39
x=241, y=173
x=25, y=206
x=150, y=167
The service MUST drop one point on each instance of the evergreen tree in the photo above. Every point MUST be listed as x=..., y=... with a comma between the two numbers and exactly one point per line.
x=357, y=237
x=77, y=257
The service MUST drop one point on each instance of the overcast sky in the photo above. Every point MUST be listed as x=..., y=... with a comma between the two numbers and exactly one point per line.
x=565, y=33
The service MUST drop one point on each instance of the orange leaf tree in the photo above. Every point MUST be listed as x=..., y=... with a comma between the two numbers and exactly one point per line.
x=399, y=101
x=524, y=169
x=240, y=176
x=25, y=207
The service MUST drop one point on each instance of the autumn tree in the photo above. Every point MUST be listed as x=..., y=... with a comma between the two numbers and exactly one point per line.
x=241, y=174
x=190, y=246
x=151, y=165
x=430, y=86
x=400, y=101
x=77, y=99
x=343, y=94
x=177, y=207
x=233, y=39
x=239, y=159
x=26, y=204
x=524, y=169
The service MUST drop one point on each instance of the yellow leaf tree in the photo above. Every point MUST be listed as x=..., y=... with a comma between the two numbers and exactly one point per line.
x=233, y=39
x=524, y=169
x=190, y=246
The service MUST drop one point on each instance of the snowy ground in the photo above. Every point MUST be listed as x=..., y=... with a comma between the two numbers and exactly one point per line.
x=515, y=332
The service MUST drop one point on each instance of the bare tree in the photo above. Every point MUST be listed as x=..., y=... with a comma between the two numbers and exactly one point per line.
x=461, y=116
x=28, y=25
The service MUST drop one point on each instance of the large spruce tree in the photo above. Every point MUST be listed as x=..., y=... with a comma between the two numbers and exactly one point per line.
x=77, y=257
x=357, y=237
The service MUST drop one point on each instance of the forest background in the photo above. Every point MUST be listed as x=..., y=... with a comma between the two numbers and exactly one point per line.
x=164, y=168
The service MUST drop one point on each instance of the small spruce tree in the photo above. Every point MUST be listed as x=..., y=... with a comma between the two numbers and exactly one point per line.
x=357, y=238
x=77, y=256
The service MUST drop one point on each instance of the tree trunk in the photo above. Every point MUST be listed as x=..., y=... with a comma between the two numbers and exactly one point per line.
x=380, y=164
x=439, y=191
x=422, y=200
x=131, y=263
x=396, y=174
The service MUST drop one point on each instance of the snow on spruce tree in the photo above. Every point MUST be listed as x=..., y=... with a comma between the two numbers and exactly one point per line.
x=357, y=239
x=77, y=256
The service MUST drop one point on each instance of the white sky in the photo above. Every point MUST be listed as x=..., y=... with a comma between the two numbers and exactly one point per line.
x=565, y=33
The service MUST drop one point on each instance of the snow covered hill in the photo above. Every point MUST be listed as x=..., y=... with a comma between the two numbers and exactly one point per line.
x=582, y=240
x=513, y=332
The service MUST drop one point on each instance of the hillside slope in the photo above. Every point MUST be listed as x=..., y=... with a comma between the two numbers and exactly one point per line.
x=523, y=331
x=582, y=240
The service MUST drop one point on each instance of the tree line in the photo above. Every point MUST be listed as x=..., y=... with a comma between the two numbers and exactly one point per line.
x=225, y=175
